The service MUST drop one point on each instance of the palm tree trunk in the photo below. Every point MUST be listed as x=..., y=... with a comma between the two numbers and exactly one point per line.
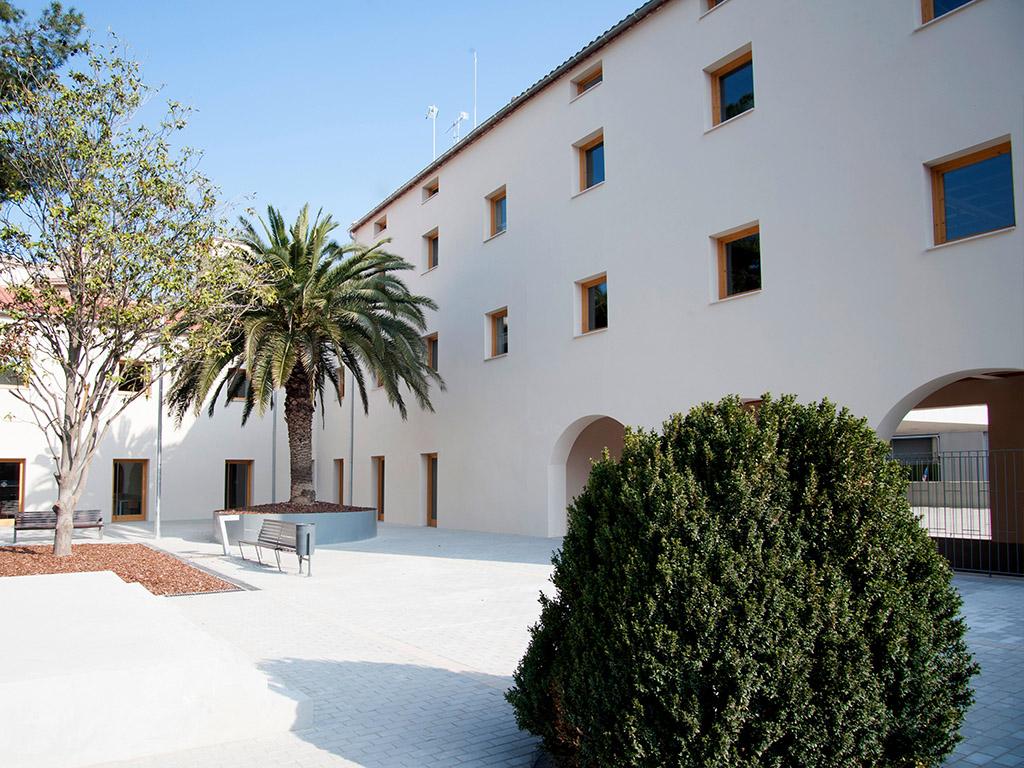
x=298, y=416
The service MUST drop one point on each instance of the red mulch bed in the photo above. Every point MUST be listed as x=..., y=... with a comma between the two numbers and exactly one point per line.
x=284, y=507
x=158, y=572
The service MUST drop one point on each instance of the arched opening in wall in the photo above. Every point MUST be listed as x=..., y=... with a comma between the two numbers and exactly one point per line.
x=579, y=445
x=961, y=439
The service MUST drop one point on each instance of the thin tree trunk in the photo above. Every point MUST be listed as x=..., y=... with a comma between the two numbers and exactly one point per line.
x=69, y=484
x=298, y=416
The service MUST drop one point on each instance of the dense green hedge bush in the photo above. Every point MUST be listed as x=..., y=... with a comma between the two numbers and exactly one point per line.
x=748, y=588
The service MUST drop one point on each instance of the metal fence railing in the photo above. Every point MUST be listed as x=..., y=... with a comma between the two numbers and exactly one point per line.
x=972, y=505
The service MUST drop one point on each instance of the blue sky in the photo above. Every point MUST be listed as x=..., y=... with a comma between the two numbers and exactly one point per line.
x=324, y=101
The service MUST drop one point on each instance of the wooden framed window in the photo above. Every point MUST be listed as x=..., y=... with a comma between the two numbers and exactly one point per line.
x=586, y=81
x=238, y=483
x=591, y=159
x=431, y=467
x=714, y=4
x=739, y=262
x=133, y=376
x=432, y=242
x=594, y=304
x=131, y=482
x=498, y=324
x=430, y=342
x=339, y=477
x=378, y=482
x=380, y=225
x=238, y=384
x=12, y=487
x=973, y=194
x=933, y=9
x=431, y=188
x=497, y=206
x=732, y=88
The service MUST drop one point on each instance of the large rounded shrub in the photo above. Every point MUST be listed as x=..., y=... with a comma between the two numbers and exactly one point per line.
x=748, y=588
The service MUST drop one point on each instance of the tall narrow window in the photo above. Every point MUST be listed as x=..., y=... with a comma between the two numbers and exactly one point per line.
x=739, y=263
x=591, y=154
x=973, y=194
x=238, y=384
x=339, y=372
x=12, y=487
x=594, y=300
x=498, y=322
x=498, y=206
x=433, y=246
x=237, y=483
x=378, y=481
x=932, y=9
x=586, y=81
x=339, y=478
x=732, y=88
x=431, y=345
x=431, y=459
x=129, y=502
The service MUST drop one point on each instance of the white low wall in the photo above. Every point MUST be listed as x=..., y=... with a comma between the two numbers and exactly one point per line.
x=106, y=671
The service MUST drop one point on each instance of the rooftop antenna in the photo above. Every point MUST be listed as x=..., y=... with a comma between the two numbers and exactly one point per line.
x=474, y=86
x=456, y=128
x=432, y=117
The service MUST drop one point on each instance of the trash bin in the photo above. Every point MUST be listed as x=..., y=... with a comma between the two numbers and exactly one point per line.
x=305, y=543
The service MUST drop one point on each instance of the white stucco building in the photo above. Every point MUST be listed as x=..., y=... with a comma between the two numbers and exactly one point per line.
x=711, y=198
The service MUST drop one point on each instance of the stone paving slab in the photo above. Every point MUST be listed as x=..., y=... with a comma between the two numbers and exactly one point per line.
x=406, y=644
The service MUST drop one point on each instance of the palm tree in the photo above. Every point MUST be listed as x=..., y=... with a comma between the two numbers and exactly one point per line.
x=321, y=306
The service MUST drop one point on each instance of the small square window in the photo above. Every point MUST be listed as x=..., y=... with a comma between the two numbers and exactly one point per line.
x=380, y=225
x=498, y=323
x=432, y=244
x=238, y=384
x=497, y=204
x=592, y=77
x=594, y=303
x=431, y=188
x=133, y=376
x=430, y=342
x=732, y=88
x=739, y=263
x=933, y=9
x=973, y=194
x=591, y=157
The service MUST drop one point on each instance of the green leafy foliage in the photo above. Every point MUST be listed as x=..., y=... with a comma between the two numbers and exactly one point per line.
x=747, y=588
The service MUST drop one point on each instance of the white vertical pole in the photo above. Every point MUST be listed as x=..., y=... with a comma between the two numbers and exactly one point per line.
x=159, y=442
x=273, y=447
x=474, y=87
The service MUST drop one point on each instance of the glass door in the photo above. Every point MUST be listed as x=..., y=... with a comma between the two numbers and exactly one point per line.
x=129, y=501
x=12, y=472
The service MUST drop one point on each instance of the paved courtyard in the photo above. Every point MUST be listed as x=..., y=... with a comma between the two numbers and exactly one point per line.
x=406, y=644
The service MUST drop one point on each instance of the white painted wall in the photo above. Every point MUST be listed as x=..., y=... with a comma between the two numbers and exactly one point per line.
x=853, y=99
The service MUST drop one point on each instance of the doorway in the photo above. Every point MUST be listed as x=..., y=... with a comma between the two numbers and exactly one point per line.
x=130, y=483
x=378, y=471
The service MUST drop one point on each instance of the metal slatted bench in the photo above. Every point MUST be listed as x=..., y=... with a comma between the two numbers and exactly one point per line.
x=276, y=535
x=47, y=521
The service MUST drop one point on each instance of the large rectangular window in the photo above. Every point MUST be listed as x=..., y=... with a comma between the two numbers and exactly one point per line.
x=12, y=487
x=237, y=483
x=497, y=204
x=130, y=484
x=739, y=263
x=594, y=300
x=973, y=194
x=498, y=322
x=933, y=9
x=591, y=155
x=732, y=88
x=431, y=460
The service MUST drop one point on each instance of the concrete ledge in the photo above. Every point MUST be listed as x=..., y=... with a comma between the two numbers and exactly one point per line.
x=100, y=670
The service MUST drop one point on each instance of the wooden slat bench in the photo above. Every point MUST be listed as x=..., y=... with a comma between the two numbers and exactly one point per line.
x=47, y=521
x=276, y=535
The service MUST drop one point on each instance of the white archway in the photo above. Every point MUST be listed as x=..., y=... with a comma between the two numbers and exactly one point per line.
x=569, y=465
